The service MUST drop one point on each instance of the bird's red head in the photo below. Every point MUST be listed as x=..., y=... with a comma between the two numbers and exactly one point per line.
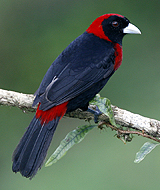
x=111, y=27
x=96, y=27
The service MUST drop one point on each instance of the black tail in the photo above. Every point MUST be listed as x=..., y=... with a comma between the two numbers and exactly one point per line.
x=32, y=149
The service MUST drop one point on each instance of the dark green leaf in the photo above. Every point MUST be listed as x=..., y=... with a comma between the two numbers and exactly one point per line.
x=104, y=106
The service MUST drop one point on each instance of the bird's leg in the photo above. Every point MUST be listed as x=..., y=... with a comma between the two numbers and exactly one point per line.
x=95, y=112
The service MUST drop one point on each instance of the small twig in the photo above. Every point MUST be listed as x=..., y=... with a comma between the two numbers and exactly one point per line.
x=120, y=131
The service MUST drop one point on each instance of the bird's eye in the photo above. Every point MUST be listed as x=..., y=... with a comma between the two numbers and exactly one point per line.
x=115, y=24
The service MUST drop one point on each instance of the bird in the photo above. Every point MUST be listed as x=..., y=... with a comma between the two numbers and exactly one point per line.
x=74, y=78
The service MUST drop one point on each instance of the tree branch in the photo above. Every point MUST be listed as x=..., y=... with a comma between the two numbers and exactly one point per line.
x=146, y=126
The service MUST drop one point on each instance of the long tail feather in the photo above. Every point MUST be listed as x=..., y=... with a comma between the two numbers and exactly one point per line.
x=32, y=149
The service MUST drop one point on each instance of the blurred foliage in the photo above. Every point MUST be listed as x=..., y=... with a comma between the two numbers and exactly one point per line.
x=32, y=35
x=145, y=150
x=72, y=138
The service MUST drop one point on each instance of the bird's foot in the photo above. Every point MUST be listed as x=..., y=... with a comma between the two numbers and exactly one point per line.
x=96, y=113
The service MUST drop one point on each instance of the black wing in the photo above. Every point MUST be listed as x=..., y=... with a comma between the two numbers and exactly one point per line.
x=73, y=72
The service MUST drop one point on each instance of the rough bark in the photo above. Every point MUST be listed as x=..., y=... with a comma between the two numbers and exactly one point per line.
x=142, y=125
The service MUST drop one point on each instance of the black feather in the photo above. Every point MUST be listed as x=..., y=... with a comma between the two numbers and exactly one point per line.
x=32, y=149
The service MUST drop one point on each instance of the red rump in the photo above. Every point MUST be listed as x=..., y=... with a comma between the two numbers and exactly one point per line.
x=96, y=26
x=52, y=113
x=118, y=56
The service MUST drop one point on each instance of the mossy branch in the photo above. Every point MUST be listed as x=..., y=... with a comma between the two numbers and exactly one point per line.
x=122, y=117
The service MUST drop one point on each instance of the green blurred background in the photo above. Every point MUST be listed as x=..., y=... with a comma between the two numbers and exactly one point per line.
x=32, y=35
